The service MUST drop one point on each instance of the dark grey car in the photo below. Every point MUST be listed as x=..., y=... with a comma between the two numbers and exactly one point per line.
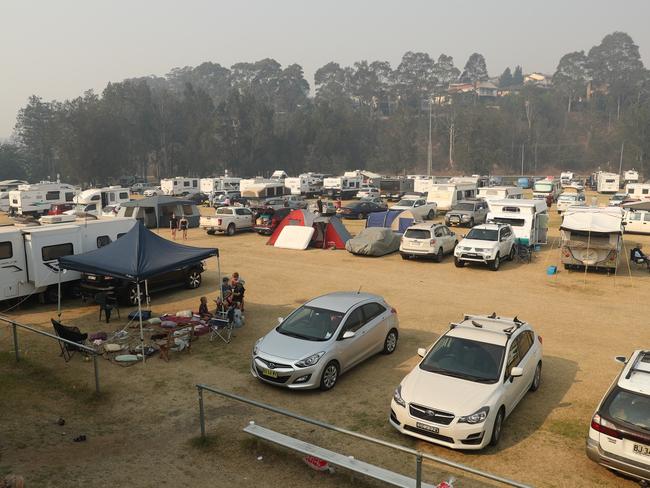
x=468, y=213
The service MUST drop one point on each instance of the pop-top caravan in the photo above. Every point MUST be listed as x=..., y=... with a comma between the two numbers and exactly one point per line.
x=528, y=219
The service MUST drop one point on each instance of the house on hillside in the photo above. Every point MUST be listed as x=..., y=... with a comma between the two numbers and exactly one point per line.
x=486, y=89
x=538, y=79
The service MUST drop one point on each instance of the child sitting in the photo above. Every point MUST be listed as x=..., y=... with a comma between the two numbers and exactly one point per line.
x=203, y=309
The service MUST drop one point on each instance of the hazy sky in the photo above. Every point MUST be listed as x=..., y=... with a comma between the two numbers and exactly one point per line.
x=59, y=48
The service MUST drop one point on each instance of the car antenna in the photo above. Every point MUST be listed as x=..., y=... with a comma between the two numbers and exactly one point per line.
x=359, y=290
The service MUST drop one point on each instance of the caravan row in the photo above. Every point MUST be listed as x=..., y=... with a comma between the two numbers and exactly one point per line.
x=29, y=254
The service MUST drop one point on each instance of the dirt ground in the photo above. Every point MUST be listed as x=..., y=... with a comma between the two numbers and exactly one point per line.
x=142, y=431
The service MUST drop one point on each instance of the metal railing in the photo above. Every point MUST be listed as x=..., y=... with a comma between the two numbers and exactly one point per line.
x=419, y=455
x=15, y=325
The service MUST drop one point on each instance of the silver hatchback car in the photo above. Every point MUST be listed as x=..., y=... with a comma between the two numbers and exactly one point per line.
x=324, y=338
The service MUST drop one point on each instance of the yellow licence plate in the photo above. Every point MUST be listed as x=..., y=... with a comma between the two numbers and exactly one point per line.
x=641, y=449
x=270, y=373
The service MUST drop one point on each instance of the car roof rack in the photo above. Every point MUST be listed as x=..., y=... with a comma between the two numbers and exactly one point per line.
x=643, y=357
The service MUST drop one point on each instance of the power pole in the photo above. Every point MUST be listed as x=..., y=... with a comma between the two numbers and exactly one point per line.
x=430, y=148
x=451, y=145
x=620, y=160
x=522, y=159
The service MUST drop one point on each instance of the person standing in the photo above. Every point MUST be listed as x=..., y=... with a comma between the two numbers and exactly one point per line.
x=173, y=224
x=319, y=206
x=337, y=203
x=183, y=224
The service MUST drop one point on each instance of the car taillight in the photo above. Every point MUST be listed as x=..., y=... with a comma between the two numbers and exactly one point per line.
x=539, y=338
x=604, y=427
x=566, y=252
x=219, y=221
x=393, y=310
x=432, y=241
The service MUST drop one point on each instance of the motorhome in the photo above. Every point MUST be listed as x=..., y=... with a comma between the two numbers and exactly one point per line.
x=179, y=186
x=446, y=195
x=500, y=193
x=548, y=186
x=528, y=218
x=395, y=188
x=592, y=237
x=566, y=177
x=221, y=183
x=94, y=200
x=28, y=254
x=305, y=184
x=607, y=182
x=345, y=187
x=638, y=191
x=36, y=199
x=630, y=176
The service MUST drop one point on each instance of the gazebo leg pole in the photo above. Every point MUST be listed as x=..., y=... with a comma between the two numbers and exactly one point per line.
x=140, y=320
x=58, y=302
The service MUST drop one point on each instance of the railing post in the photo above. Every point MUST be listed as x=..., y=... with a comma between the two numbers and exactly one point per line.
x=96, y=373
x=201, y=412
x=15, y=333
x=418, y=470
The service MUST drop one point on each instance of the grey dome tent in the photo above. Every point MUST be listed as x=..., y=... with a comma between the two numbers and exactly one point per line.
x=137, y=255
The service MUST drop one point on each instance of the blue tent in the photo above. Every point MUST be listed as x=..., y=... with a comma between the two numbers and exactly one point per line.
x=397, y=220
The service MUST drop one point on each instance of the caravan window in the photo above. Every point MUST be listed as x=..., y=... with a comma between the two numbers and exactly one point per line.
x=95, y=198
x=469, y=193
x=194, y=183
x=186, y=183
x=6, y=250
x=69, y=197
x=50, y=253
x=128, y=212
x=103, y=241
x=52, y=195
x=111, y=197
x=124, y=196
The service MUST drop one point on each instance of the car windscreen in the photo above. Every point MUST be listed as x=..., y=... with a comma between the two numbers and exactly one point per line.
x=483, y=234
x=567, y=198
x=311, y=323
x=629, y=407
x=405, y=203
x=466, y=359
x=543, y=187
x=417, y=234
x=464, y=207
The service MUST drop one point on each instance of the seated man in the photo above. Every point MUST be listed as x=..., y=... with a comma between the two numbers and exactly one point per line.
x=638, y=256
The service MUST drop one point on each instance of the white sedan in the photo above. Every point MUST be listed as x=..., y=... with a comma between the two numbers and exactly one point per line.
x=469, y=382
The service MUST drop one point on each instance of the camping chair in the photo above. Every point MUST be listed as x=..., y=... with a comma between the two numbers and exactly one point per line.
x=107, y=303
x=524, y=253
x=71, y=334
x=221, y=326
x=638, y=262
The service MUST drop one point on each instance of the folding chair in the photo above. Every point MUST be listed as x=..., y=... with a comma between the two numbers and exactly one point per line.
x=71, y=334
x=106, y=304
x=221, y=326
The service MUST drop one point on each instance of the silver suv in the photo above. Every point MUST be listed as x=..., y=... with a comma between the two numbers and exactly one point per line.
x=488, y=244
x=468, y=213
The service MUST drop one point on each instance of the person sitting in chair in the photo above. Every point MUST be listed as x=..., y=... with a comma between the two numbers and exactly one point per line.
x=638, y=256
x=203, y=309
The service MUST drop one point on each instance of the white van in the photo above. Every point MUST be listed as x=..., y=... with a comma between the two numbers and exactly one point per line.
x=446, y=195
x=528, y=219
x=488, y=193
x=37, y=199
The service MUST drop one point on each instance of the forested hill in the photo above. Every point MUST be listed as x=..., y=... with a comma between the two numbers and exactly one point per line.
x=252, y=118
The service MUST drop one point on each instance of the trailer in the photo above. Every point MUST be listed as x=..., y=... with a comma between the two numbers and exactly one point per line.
x=446, y=195
x=220, y=183
x=394, y=189
x=344, y=187
x=607, y=182
x=304, y=184
x=261, y=189
x=29, y=254
x=36, y=199
x=94, y=200
x=179, y=186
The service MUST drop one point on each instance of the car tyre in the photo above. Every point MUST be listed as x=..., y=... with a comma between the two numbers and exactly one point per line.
x=230, y=231
x=537, y=379
x=404, y=256
x=193, y=279
x=439, y=255
x=496, y=263
x=431, y=215
x=497, y=428
x=471, y=222
x=330, y=376
x=511, y=256
x=459, y=263
x=211, y=232
x=132, y=295
x=362, y=216
x=390, y=343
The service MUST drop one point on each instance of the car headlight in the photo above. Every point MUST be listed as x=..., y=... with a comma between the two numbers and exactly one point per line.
x=311, y=360
x=397, y=396
x=465, y=217
x=256, y=346
x=476, y=418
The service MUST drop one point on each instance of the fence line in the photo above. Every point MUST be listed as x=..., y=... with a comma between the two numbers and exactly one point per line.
x=419, y=455
x=15, y=325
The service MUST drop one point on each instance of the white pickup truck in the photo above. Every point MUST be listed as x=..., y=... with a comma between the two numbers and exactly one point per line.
x=421, y=209
x=228, y=220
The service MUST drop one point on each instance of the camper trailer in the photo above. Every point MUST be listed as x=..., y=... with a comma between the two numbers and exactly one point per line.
x=630, y=176
x=94, y=200
x=528, y=218
x=548, y=186
x=261, y=189
x=638, y=191
x=607, y=182
x=37, y=199
x=28, y=254
x=565, y=178
x=345, y=187
x=304, y=184
x=179, y=186
x=591, y=237
x=221, y=183
x=422, y=184
x=395, y=188
x=446, y=195
x=488, y=193
x=8, y=185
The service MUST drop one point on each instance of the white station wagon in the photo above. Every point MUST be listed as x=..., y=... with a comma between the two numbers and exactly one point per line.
x=427, y=240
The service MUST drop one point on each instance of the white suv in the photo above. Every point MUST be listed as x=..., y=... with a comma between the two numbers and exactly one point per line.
x=487, y=243
x=619, y=435
x=427, y=240
x=469, y=382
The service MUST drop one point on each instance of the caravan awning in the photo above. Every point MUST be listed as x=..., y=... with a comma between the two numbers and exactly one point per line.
x=604, y=220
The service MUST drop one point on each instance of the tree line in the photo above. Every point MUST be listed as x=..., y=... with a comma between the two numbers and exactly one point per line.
x=253, y=118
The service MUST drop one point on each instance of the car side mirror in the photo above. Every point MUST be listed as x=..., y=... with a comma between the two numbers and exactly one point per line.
x=422, y=352
x=280, y=319
x=621, y=359
x=348, y=334
x=516, y=372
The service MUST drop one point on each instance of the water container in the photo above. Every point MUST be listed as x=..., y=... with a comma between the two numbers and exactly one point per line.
x=551, y=270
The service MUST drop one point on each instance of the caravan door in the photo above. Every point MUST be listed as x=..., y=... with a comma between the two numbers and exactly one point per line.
x=13, y=271
x=541, y=228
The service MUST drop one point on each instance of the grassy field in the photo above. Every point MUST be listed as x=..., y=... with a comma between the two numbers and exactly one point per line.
x=142, y=431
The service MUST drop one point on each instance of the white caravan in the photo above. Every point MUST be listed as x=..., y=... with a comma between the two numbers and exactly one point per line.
x=28, y=254
x=528, y=219
x=488, y=193
x=638, y=191
x=422, y=184
x=446, y=195
x=304, y=184
x=94, y=200
x=544, y=188
x=345, y=187
x=37, y=199
x=607, y=182
x=566, y=177
x=630, y=176
x=221, y=183
x=591, y=237
x=179, y=186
